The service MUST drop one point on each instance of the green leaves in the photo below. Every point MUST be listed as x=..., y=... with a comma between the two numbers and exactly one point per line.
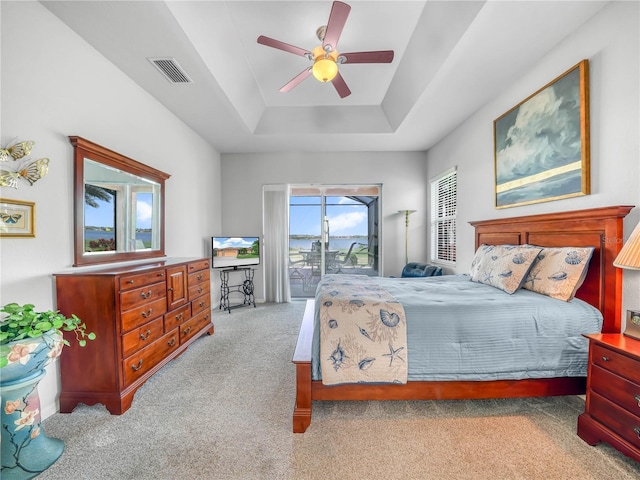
x=44, y=326
x=22, y=321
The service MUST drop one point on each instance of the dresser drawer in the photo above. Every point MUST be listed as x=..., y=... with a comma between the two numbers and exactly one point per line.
x=197, y=278
x=142, y=296
x=141, y=315
x=616, y=362
x=144, y=360
x=141, y=337
x=199, y=290
x=617, y=389
x=128, y=282
x=193, y=326
x=201, y=304
x=615, y=418
x=177, y=317
x=199, y=265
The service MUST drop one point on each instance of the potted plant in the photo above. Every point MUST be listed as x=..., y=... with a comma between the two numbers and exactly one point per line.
x=29, y=341
x=23, y=325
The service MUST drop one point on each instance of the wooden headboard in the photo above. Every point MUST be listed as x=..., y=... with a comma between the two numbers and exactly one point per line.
x=601, y=228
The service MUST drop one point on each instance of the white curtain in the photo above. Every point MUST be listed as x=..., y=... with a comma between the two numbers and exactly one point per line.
x=276, y=243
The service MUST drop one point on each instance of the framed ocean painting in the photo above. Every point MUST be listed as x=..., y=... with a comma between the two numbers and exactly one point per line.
x=542, y=144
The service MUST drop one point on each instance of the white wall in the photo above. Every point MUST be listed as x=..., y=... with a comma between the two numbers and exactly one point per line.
x=611, y=42
x=400, y=173
x=55, y=85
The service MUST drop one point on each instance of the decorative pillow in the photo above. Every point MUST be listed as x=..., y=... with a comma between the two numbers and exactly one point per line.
x=503, y=266
x=559, y=272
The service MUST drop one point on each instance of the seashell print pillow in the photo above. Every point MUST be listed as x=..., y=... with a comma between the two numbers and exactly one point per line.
x=503, y=266
x=559, y=272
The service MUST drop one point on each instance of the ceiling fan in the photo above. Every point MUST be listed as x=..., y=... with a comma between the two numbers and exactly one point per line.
x=325, y=57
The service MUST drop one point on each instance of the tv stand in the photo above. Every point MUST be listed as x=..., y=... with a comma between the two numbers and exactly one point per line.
x=246, y=288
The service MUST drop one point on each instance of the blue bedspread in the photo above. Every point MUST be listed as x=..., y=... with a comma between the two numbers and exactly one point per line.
x=462, y=330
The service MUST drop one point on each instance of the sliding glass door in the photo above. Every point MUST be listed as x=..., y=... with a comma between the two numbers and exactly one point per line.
x=332, y=229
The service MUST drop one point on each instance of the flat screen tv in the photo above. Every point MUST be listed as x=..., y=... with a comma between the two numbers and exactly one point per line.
x=235, y=252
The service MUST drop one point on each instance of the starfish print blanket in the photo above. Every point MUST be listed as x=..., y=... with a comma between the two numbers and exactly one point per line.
x=363, y=332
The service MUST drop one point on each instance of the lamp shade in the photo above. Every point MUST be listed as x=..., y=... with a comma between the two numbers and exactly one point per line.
x=629, y=256
x=325, y=69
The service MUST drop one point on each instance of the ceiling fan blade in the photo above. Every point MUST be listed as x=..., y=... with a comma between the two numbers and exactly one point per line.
x=381, y=56
x=337, y=19
x=296, y=80
x=341, y=86
x=270, y=42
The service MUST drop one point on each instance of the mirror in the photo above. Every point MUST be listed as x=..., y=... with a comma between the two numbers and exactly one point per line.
x=118, y=205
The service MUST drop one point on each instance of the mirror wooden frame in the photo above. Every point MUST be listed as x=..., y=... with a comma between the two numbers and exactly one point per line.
x=85, y=149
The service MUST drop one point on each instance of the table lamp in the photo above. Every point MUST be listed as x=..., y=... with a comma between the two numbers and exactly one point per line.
x=629, y=258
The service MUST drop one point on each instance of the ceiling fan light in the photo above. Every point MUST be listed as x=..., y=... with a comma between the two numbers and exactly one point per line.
x=325, y=69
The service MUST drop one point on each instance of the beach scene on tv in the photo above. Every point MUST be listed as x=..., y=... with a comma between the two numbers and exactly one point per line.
x=233, y=252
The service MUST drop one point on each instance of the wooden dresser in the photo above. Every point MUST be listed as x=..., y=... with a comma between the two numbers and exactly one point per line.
x=143, y=316
x=612, y=412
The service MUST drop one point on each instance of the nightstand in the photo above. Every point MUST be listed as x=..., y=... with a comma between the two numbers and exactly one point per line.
x=612, y=409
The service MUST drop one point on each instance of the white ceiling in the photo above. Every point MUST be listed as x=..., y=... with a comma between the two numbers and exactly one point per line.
x=451, y=57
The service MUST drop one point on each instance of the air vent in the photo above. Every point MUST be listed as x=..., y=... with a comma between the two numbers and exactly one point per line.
x=171, y=70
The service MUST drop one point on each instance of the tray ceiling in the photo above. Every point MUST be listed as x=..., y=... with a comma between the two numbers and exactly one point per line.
x=451, y=57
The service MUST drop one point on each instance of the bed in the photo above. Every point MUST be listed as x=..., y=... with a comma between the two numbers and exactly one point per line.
x=600, y=228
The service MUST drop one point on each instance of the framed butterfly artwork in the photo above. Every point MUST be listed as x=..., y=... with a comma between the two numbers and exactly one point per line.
x=17, y=218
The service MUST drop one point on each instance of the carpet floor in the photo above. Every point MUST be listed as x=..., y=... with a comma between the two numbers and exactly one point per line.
x=222, y=410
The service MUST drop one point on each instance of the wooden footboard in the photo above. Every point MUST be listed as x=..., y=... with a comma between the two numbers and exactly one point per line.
x=302, y=361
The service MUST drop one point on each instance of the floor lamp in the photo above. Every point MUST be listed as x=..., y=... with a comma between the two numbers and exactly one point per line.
x=406, y=233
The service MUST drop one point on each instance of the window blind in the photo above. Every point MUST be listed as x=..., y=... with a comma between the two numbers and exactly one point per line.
x=444, y=201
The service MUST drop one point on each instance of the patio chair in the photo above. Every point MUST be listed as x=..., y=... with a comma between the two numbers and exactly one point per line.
x=294, y=271
x=347, y=260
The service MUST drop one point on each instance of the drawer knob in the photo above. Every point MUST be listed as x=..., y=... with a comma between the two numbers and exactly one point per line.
x=201, y=304
x=145, y=335
x=137, y=367
x=130, y=282
x=200, y=277
x=160, y=274
x=637, y=397
x=605, y=358
x=172, y=342
x=200, y=290
x=637, y=430
x=147, y=313
x=187, y=330
x=179, y=318
x=145, y=295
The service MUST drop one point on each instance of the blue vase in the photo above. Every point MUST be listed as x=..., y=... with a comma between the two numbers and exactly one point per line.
x=26, y=450
x=30, y=355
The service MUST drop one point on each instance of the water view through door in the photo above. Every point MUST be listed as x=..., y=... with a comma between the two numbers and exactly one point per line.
x=332, y=230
